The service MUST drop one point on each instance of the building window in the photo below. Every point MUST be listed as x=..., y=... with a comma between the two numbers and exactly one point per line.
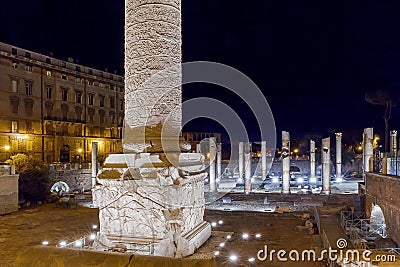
x=78, y=68
x=48, y=73
x=112, y=87
x=79, y=97
x=28, y=87
x=90, y=71
x=14, y=65
x=121, y=104
x=121, y=89
x=102, y=114
x=14, y=101
x=28, y=68
x=14, y=51
x=63, y=76
x=14, y=86
x=29, y=126
x=64, y=94
x=63, y=64
x=91, y=99
x=14, y=126
x=48, y=60
x=78, y=80
x=27, y=54
x=112, y=102
x=49, y=91
x=102, y=101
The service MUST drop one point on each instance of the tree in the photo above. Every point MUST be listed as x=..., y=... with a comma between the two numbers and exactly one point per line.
x=388, y=99
x=34, y=182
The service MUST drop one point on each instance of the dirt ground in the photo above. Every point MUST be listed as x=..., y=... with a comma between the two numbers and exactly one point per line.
x=31, y=226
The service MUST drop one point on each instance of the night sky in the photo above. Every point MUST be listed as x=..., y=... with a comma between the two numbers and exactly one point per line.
x=314, y=60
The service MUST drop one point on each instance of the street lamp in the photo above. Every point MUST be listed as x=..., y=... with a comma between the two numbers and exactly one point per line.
x=80, y=150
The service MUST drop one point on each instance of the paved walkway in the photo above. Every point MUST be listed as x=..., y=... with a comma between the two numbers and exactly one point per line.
x=330, y=223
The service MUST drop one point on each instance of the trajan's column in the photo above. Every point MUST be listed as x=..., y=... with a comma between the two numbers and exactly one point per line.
x=153, y=195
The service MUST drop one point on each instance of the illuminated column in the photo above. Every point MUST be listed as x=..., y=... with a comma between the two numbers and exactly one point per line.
x=338, y=156
x=247, y=156
x=285, y=162
x=368, y=149
x=326, y=170
x=312, y=158
x=198, y=148
x=241, y=160
x=263, y=160
x=219, y=161
x=393, y=143
x=213, y=151
x=95, y=149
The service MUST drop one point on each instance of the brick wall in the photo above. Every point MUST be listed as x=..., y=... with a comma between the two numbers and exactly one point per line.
x=8, y=193
x=384, y=190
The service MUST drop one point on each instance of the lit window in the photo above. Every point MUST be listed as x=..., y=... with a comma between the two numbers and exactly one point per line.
x=28, y=68
x=14, y=86
x=14, y=65
x=14, y=126
x=28, y=87
x=48, y=73
x=64, y=94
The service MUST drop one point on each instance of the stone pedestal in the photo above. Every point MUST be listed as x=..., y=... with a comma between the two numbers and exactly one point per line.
x=152, y=209
x=326, y=170
x=285, y=162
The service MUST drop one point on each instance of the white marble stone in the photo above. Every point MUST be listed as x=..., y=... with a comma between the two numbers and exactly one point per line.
x=326, y=170
x=338, y=155
x=285, y=162
x=155, y=197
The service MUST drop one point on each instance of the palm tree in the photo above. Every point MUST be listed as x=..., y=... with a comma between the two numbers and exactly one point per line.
x=388, y=99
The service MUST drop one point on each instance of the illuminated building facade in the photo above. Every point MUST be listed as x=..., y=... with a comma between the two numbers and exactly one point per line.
x=54, y=109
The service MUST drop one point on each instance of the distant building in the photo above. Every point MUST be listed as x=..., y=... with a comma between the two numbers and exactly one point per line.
x=54, y=109
x=194, y=138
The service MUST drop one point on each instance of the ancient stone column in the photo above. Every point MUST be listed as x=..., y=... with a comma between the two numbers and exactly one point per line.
x=219, y=161
x=155, y=197
x=241, y=161
x=213, y=151
x=326, y=170
x=263, y=160
x=285, y=162
x=338, y=156
x=198, y=148
x=393, y=143
x=312, y=159
x=247, y=156
x=95, y=162
x=368, y=149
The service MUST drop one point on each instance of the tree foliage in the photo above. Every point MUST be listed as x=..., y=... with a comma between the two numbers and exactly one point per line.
x=34, y=182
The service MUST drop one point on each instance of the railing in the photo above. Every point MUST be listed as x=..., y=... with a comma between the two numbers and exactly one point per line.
x=69, y=166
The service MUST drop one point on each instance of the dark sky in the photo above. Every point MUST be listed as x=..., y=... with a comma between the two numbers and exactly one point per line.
x=314, y=60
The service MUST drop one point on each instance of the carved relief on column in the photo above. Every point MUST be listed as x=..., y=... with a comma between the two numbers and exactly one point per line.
x=152, y=71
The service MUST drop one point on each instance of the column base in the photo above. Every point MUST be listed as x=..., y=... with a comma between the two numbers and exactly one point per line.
x=325, y=192
x=285, y=192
